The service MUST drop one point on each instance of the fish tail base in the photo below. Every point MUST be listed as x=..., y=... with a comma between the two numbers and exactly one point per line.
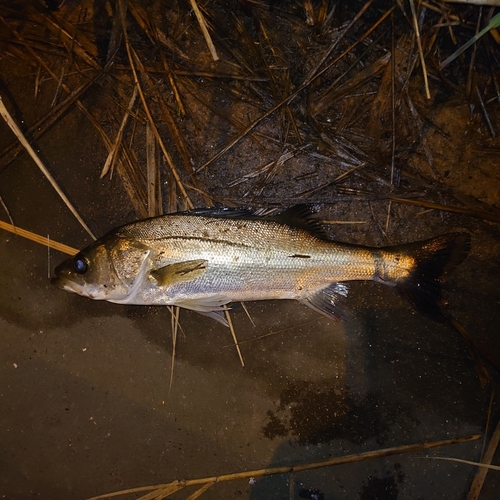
x=434, y=259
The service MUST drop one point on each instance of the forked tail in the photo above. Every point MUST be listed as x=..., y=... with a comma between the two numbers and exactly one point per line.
x=433, y=261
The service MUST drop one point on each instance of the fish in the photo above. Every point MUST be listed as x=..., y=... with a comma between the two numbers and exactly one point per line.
x=204, y=259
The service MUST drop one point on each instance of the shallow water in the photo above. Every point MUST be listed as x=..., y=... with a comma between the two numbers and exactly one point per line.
x=85, y=402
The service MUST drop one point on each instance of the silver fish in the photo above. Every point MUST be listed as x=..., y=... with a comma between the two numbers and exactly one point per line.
x=204, y=259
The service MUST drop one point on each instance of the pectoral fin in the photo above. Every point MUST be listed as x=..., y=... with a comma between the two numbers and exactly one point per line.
x=180, y=272
x=328, y=301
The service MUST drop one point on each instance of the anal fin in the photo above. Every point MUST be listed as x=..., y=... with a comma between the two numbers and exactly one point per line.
x=217, y=315
x=328, y=301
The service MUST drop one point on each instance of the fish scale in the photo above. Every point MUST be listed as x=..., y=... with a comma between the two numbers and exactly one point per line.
x=207, y=258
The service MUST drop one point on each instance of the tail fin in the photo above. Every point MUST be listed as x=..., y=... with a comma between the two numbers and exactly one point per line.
x=434, y=259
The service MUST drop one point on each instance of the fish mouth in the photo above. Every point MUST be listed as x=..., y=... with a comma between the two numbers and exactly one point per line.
x=68, y=286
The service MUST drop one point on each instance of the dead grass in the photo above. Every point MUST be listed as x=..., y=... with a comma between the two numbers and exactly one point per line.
x=336, y=104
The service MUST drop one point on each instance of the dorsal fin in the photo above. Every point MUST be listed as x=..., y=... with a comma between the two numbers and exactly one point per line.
x=223, y=212
x=301, y=217
x=298, y=216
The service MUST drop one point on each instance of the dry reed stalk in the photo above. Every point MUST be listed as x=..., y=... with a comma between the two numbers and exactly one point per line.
x=313, y=75
x=446, y=208
x=487, y=458
x=343, y=222
x=200, y=491
x=153, y=173
x=4, y=206
x=154, y=128
x=133, y=56
x=160, y=489
x=277, y=332
x=243, y=305
x=61, y=31
x=233, y=333
x=166, y=115
x=481, y=465
x=171, y=79
x=113, y=153
x=175, y=312
x=420, y=49
x=477, y=353
x=17, y=131
x=204, y=30
x=42, y=125
x=42, y=240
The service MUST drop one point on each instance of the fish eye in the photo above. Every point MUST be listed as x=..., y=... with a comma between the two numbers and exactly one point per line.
x=80, y=264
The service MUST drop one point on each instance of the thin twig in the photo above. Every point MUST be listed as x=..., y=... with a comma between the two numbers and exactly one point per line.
x=446, y=208
x=42, y=240
x=174, y=311
x=288, y=469
x=133, y=56
x=420, y=49
x=488, y=421
x=313, y=75
x=233, y=333
x=485, y=113
x=480, y=477
x=6, y=210
x=481, y=465
x=17, y=131
x=113, y=153
x=204, y=29
x=247, y=313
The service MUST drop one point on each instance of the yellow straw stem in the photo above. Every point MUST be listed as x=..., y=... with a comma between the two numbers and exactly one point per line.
x=38, y=239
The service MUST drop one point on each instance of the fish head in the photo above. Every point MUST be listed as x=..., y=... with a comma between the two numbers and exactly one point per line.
x=111, y=269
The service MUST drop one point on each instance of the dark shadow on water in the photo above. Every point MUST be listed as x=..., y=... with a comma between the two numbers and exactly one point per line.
x=311, y=415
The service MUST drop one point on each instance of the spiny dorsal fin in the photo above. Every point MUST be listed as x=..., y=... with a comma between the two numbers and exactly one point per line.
x=298, y=216
x=221, y=212
x=301, y=217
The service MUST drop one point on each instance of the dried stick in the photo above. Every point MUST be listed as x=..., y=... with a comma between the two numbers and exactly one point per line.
x=131, y=56
x=478, y=481
x=6, y=210
x=288, y=469
x=113, y=153
x=40, y=127
x=17, y=131
x=420, y=49
x=60, y=247
x=233, y=333
x=204, y=29
x=467, y=462
x=174, y=311
x=313, y=75
x=446, y=208
x=153, y=173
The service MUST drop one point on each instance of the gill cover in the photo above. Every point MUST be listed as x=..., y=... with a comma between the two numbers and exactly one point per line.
x=111, y=269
